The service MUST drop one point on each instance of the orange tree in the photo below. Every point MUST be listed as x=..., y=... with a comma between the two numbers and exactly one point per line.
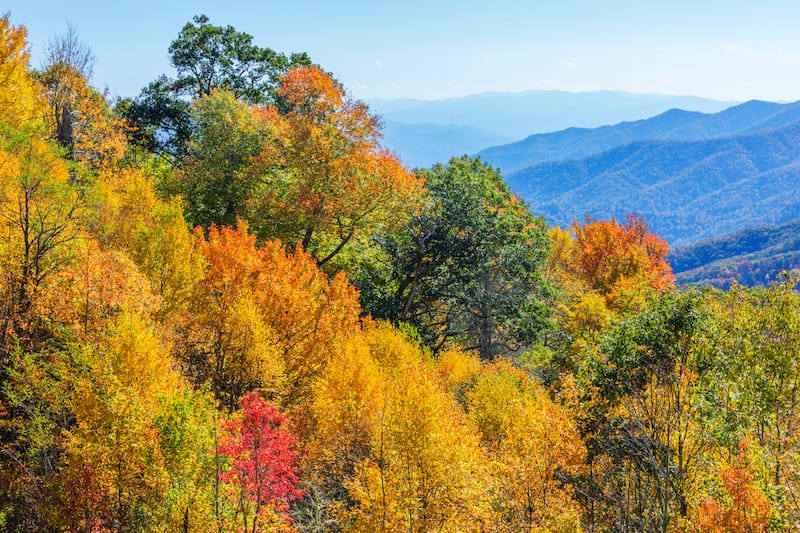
x=325, y=181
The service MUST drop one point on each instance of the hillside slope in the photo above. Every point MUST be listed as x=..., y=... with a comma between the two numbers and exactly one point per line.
x=754, y=255
x=687, y=191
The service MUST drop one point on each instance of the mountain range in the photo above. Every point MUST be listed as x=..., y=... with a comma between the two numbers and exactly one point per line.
x=698, y=176
x=423, y=132
x=687, y=190
x=674, y=124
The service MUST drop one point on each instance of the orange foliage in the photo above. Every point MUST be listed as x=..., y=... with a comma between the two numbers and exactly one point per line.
x=328, y=179
x=81, y=119
x=747, y=511
x=613, y=256
x=282, y=299
x=95, y=289
x=605, y=268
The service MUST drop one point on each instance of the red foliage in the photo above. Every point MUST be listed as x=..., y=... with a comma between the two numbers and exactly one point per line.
x=262, y=461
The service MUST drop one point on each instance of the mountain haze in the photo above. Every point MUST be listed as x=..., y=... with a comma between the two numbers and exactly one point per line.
x=421, y=145
x=423, y=132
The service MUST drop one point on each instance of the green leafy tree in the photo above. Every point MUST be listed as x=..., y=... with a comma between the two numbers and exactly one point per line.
x=206, y=57
x=226, y=136
x=467, y=268
x=648, y=421
x=209, y=57
x=756, y=340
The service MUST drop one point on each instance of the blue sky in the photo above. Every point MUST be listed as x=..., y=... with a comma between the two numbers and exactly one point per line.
x=729, y=50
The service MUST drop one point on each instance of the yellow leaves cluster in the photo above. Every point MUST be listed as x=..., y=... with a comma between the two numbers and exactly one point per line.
x=423, y=468
x=21, y=102
x=93, y=290
x=152, y=232
x=531, y=441
x=388, y=421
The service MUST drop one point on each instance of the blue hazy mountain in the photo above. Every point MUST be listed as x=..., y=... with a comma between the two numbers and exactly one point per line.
x=675, y=124
x=687, y=191
x=497, y=117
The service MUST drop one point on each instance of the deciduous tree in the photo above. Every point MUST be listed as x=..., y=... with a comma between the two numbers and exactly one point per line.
x=264, y=318
x=261, y=477
x=468, y=267
x=324, y=179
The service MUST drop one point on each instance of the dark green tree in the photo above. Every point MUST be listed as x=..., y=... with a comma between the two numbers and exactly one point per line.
x=209, y=57
x=160, y=119
x=205, y=57
x=467, y=267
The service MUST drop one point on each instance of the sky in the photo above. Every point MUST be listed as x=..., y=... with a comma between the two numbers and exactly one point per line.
x=428, y=49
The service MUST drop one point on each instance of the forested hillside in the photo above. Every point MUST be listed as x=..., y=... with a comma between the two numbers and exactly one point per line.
x=225, y=307
x=750, y=256
x=687, y=191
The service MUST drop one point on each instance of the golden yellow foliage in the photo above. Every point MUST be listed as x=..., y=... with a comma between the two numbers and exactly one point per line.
x=153, y=232
x=21, y=102
x=533, y=443
x=301, y=316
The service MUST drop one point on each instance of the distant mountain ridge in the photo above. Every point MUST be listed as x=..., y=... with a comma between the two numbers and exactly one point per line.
x=519, y=114
x=687, y=191
x=493, y=118
x=674, y=124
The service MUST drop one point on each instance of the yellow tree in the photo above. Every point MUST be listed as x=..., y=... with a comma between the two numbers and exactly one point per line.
x=345, y=412
x=37, y=221
x=425, y=470
x=130, y=217
x=112, y=450
x=535, y=447
x=21, y=104
x=92, y=291
x=38, y=207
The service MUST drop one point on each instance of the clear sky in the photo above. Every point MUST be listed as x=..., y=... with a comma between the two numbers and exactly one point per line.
x=724, y=49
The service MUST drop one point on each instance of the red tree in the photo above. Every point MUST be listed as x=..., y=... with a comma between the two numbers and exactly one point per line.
x=262, y=473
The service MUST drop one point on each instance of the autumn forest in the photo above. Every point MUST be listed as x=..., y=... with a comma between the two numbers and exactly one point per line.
x=225, y=307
